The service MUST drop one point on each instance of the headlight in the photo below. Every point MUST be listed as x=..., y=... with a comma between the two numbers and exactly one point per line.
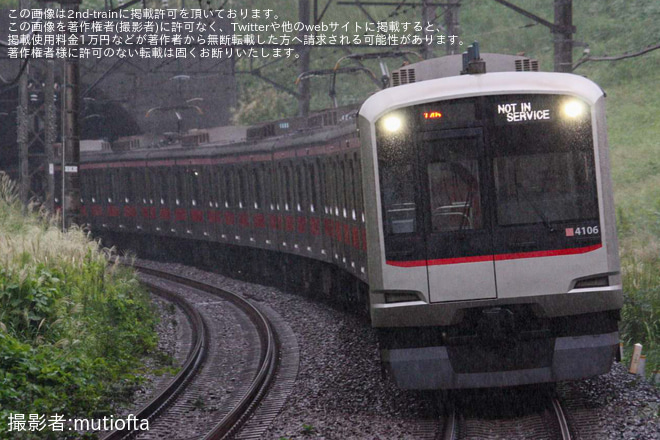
x=574, y=108
x=392, y=123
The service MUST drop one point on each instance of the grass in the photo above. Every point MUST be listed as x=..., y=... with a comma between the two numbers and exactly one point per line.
x=73, y=323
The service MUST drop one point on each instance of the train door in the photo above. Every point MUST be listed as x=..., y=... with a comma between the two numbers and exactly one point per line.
x=459, y=243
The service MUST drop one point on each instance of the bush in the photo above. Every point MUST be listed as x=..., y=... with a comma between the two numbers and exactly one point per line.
x=74, y=324
x=640, y=264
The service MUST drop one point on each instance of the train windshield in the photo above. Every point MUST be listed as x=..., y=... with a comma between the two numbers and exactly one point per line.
x=480, y=176
x=543, y=169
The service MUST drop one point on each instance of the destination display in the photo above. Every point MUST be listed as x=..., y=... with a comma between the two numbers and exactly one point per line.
x=522, y=112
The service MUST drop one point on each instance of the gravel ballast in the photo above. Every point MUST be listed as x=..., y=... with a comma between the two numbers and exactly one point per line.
x=340, y=392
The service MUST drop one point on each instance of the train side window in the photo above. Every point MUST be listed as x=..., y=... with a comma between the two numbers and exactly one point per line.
x=98, y=175
x=287, y=187
x=350, y=190
x=150, y=185
x=195, y=186
x=164, y=186
x=271, y=188
x=178, y=186
x=205, y=185
x=330, y=186
x=83, y=187
x=301, y=188
x=110, y=184
x=277, y=193
x=213, y=190
x=359, y=198
x=243, y=190
x=222, y=184
x=93, y=188
x=228, y=187
x=257, y=180
x=139, y=185
x=311, y=185
x=127, y=182
x=340, y=185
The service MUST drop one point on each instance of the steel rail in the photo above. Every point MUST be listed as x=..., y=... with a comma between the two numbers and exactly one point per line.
x=450, y=428
x=561, y=419
x=232, y=422
x=196, y=357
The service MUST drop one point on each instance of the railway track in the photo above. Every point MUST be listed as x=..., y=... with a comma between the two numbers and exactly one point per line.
x=549, y=423
x=176, y=399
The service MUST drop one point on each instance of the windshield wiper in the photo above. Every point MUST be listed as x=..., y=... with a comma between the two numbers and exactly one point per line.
x=538, y=212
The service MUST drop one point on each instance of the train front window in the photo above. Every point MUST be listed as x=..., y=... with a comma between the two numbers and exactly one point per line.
x=544, y=170
x=454, y=187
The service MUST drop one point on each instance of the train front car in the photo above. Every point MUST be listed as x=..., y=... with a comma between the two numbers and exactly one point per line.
x=492, y=246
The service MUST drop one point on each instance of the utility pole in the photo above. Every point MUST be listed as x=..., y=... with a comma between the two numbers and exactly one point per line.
x=428, y=17
x=71, y=136
x=51, y=135
x=303, y=61
x=35, y=92
x=563, y=36
x=562, y=29
x=452, y=25
x=23, y=120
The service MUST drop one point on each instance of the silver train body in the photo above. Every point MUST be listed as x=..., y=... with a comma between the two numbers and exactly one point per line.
x=492, y=248
x=474, y=215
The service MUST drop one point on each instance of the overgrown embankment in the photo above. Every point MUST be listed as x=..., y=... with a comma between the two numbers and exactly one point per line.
x=73, y=323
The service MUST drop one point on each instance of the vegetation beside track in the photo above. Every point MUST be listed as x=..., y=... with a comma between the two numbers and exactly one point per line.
x=73, y=323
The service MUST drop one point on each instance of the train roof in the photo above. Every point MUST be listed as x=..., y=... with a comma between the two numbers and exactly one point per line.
x=478, y=85
x=308, y=137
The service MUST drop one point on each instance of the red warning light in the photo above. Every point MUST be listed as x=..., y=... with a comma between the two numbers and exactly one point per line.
x=432, y=115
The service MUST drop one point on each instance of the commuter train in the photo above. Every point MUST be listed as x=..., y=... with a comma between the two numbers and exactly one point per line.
x=472, y=214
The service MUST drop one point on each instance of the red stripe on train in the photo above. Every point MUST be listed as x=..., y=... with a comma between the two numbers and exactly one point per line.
x=130, y=211
x=314, y=226
x=197, y=215
x=180, y=214
x=259, y=221
x=302, y=225
x=499, y=257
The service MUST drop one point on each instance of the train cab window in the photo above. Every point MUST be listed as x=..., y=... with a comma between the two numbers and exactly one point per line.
x=454, y=195
x=543, y=169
